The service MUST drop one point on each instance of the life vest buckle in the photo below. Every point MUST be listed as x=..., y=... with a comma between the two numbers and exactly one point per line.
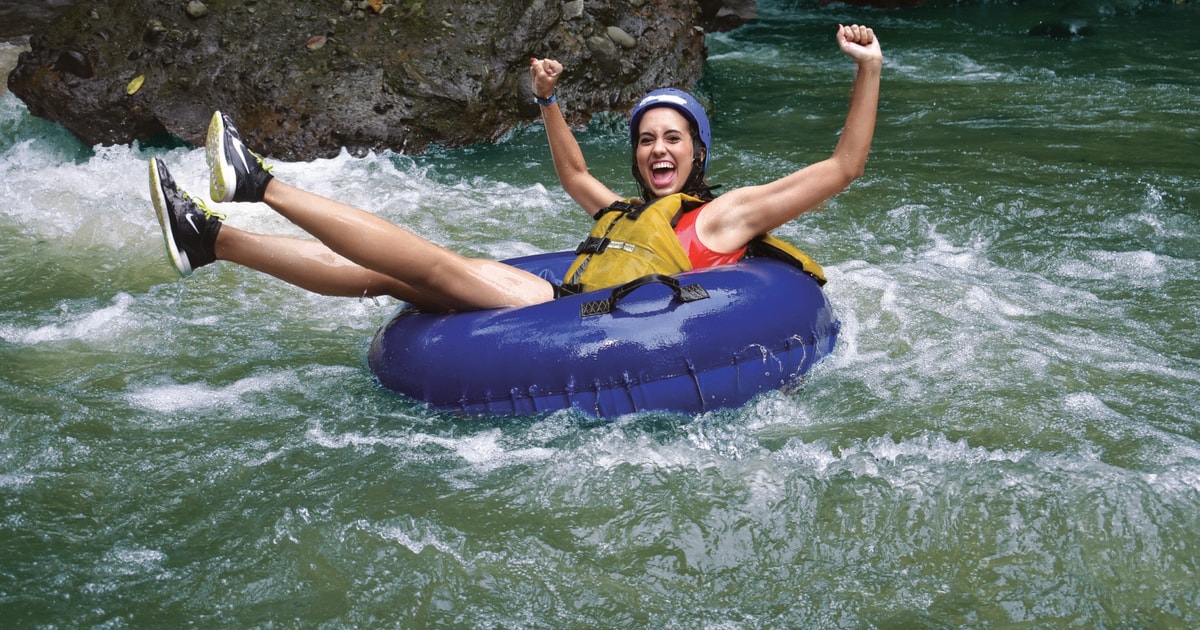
x=592, y=245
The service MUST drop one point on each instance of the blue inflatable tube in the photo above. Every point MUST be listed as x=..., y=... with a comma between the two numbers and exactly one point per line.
x=689, y=343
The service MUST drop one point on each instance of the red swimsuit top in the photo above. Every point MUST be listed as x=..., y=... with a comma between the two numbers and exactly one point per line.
x=701, y=256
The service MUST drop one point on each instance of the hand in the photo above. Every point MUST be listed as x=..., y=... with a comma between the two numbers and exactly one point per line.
x=859, y=43
x=545, y=73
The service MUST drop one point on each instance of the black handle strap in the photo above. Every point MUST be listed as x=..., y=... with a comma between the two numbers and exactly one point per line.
x=683, y=293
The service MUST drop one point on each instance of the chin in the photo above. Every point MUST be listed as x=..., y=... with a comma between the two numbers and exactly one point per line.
x=663, y=191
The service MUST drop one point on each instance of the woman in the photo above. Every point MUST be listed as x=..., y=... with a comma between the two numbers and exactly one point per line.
x=359, y=254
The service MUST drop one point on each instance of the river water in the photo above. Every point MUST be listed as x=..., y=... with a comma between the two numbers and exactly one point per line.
x=1006, y=435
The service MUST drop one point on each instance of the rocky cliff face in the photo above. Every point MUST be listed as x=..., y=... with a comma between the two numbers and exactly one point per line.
x=304, y=78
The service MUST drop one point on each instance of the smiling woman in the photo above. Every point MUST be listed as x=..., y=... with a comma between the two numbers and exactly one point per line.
x=662, y=144
x=671, y=144
x=665, y=118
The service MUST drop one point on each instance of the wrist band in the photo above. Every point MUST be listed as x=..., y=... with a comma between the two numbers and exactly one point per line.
x=545, y=101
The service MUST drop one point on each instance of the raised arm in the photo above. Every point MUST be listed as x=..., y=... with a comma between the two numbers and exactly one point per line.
x=733, y=219
x=590, y=193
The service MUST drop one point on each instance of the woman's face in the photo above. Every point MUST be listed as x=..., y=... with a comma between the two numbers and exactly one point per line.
x=663, y=151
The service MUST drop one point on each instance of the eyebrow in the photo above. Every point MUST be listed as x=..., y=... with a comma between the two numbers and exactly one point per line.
x=650, y=133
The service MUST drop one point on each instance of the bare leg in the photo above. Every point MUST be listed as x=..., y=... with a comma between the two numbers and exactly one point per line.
x=313, y=266
x=436, y=274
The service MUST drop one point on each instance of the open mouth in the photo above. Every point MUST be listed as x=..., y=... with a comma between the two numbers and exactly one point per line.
x=662, y=174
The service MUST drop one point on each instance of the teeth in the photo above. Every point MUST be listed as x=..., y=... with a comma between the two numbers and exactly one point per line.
x=661, y=165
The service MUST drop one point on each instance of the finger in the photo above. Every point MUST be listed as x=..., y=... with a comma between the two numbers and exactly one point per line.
x=857, y=34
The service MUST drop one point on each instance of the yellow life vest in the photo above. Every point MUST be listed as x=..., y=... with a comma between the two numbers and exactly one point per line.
x=632, y=239
x=768, y=246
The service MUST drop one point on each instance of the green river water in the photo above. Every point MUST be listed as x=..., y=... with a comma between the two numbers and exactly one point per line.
x=1006, y=436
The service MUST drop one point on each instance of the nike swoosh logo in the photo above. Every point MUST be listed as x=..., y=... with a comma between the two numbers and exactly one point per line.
x=240, y=155
x=191, y=219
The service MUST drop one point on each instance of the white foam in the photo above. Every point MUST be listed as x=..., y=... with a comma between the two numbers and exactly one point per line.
x=104, y=200
x=415, y=537
x=103, y=323
x=133, y=561
x=14, y=481
x=175, y=398
x=1089, y=405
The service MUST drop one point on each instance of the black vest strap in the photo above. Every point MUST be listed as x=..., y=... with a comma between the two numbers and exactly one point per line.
x=597, y=244
x=621, y=206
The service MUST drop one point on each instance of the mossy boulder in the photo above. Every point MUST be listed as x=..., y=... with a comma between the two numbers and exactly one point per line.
x=305, y=78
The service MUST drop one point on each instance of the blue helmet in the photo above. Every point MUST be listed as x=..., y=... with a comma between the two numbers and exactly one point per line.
x=691, y=109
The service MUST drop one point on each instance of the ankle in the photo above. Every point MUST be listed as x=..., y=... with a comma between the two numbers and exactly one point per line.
x=272, y=191
x=221, y=241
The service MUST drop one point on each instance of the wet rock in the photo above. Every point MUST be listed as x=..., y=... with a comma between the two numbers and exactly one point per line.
x=196, y=9
x=396, y=75
x=1062, y=29
x=76, y=63
x=316, y=42
x=621, y=38
x=605, y=52
x=726, y=15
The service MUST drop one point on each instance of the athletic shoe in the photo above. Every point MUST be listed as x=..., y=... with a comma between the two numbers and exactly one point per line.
x=235, y=172
x=189, y=227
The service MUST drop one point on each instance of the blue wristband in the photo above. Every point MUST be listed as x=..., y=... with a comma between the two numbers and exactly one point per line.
x=545, y=101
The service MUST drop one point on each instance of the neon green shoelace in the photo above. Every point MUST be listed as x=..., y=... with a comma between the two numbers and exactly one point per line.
x=261, y=162
x=199, y=203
